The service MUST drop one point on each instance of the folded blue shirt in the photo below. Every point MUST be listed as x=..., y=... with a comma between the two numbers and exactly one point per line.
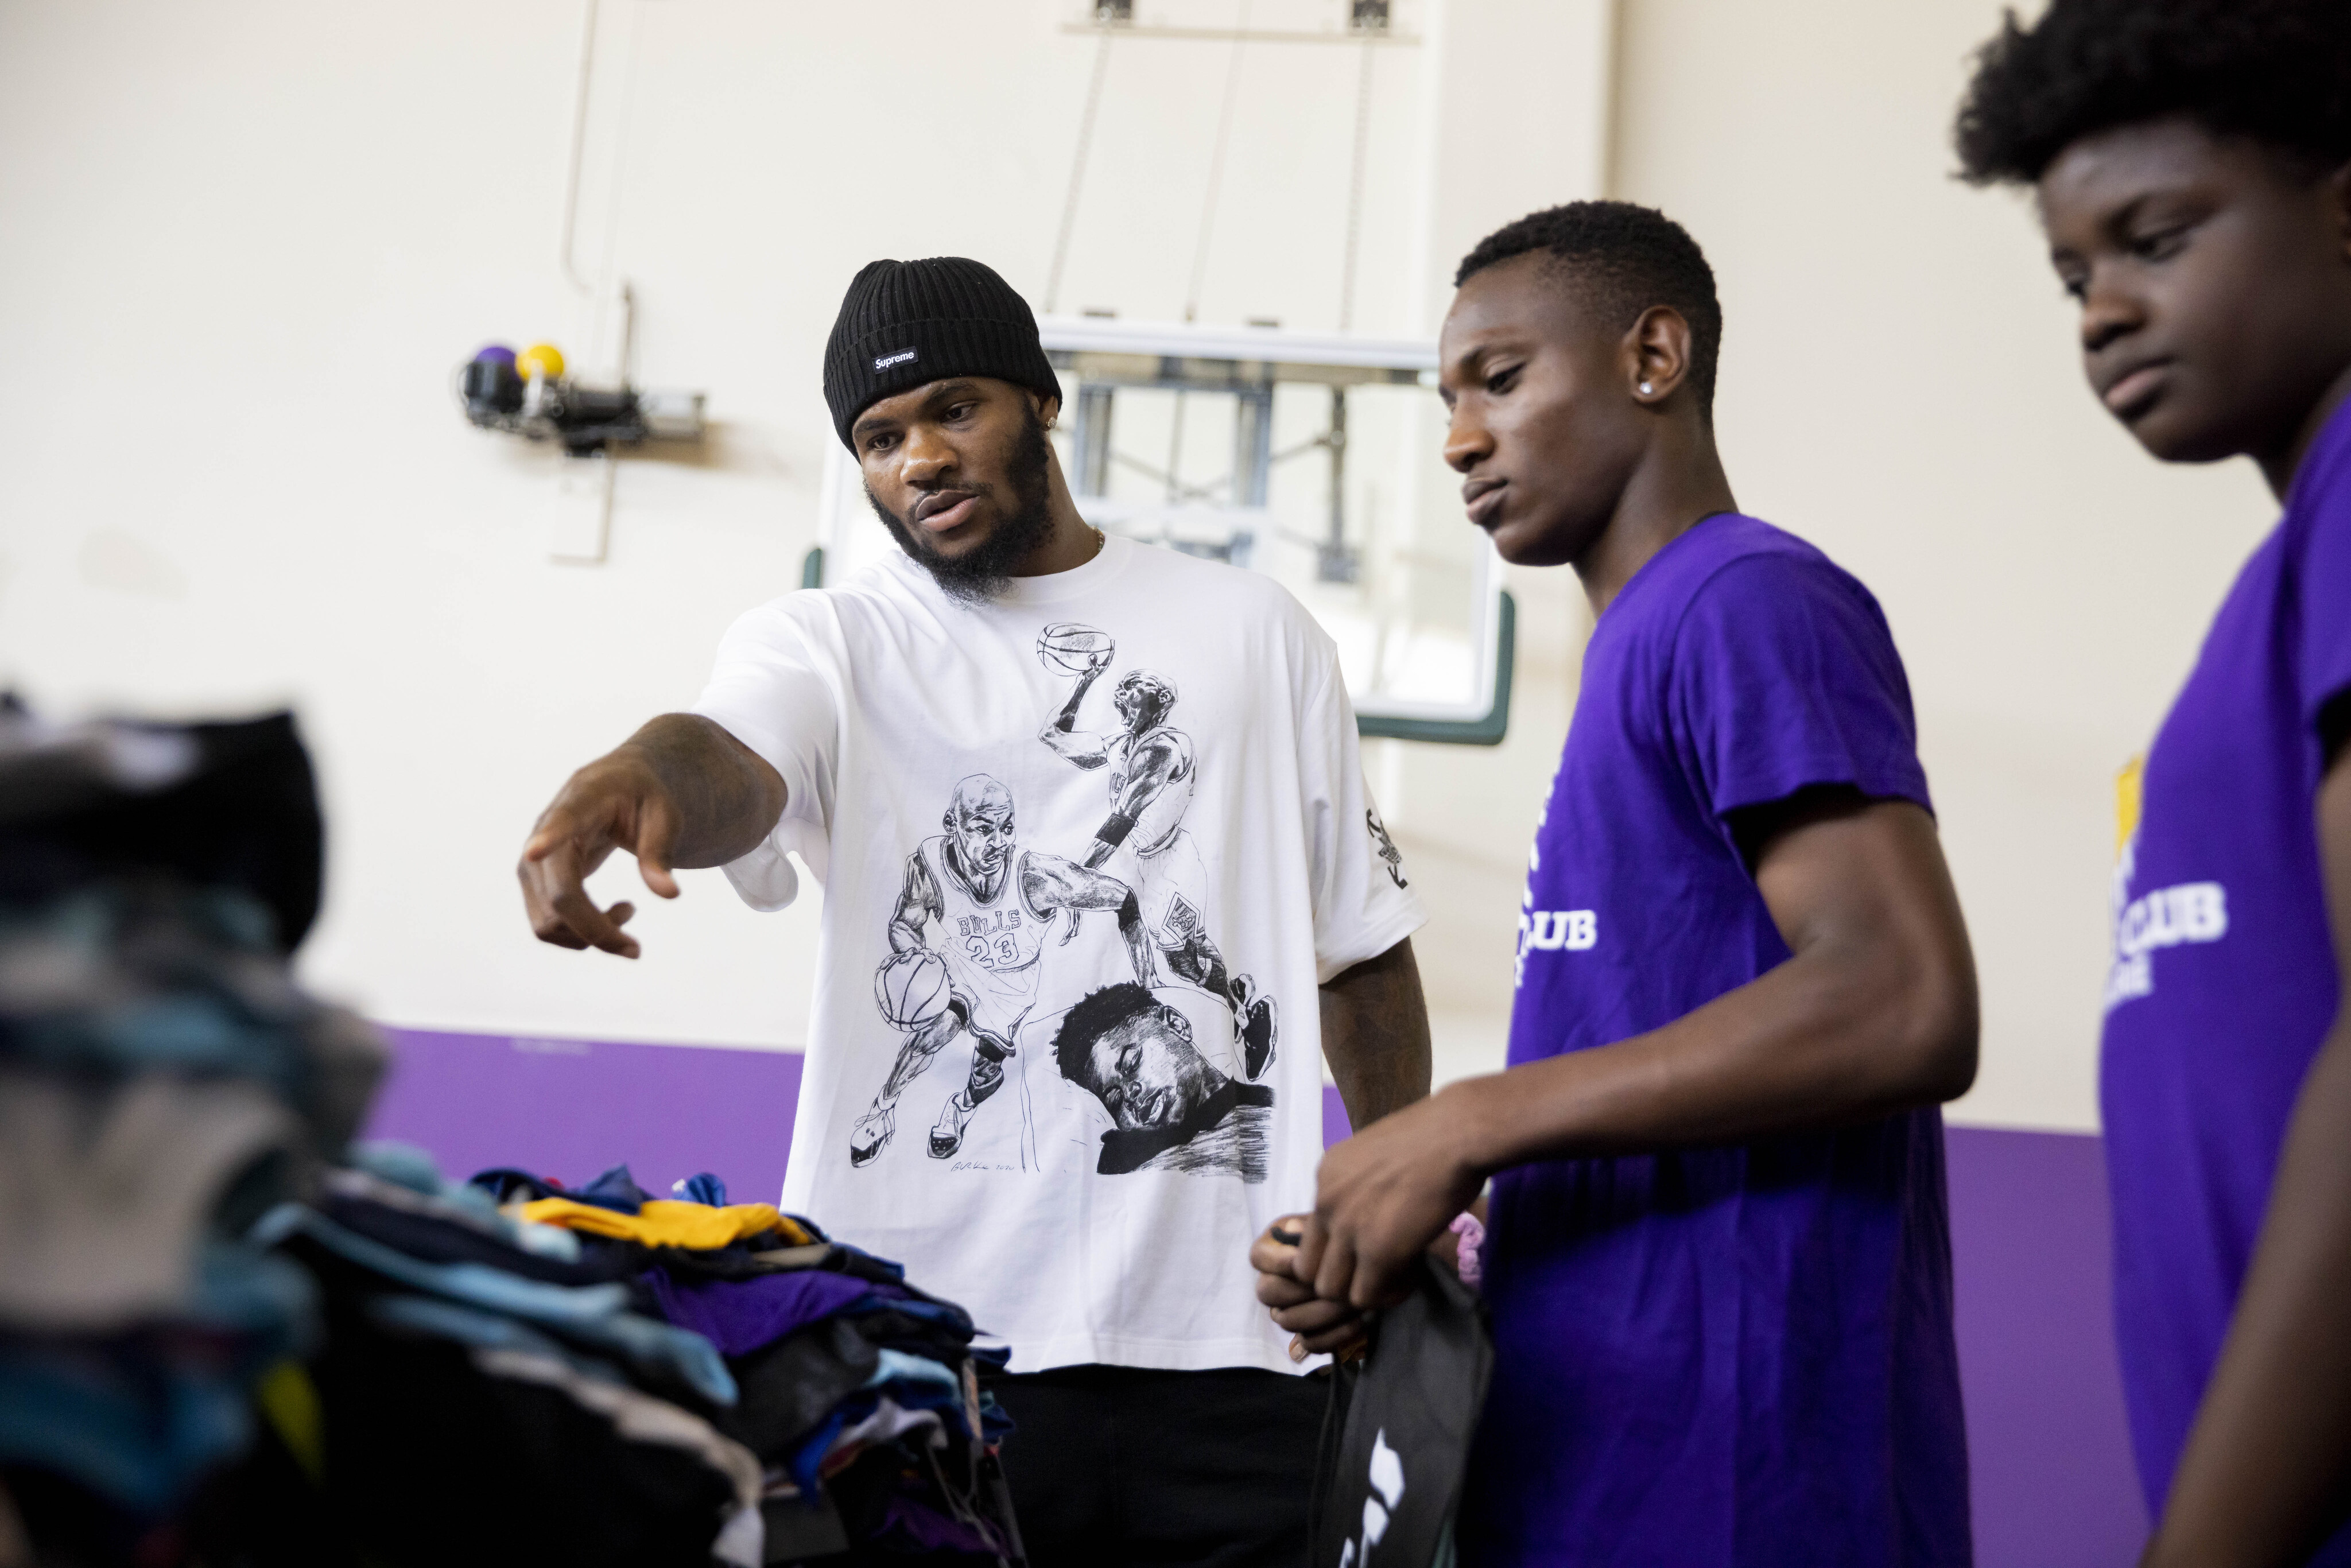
x=597, y=1314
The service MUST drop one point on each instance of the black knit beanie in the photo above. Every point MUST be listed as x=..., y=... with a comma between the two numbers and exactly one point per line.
x=907, y=322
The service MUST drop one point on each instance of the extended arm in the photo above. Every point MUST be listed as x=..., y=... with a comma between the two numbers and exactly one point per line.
x=1050, y=882
x=918, y=901
x=1150, y=769
x=2262, y=1479
x=1873, y=1013
x=681, y=792
x=1059, y=731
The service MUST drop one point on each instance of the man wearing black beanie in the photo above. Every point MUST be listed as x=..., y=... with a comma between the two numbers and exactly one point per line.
x=908, y=324
x=1102, y=884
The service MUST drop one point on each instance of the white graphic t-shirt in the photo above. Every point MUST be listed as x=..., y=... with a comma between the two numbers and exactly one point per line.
x=1087, y=850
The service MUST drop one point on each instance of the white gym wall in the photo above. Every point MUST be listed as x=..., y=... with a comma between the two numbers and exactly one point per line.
x=242, y=246
x=1901, y=386
x=246, y=244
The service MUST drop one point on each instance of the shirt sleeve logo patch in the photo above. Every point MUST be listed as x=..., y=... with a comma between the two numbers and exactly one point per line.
x=1386, y=846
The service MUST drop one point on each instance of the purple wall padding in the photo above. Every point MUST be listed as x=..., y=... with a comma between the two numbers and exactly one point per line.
x=571, y=1109
x=2051, y=1464
x=1336, y=1128
x=2048, y=1452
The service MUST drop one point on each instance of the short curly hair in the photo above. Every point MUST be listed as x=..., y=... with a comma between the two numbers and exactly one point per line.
x=1623, y=259
x=1098, y=1014
x=2278, y=71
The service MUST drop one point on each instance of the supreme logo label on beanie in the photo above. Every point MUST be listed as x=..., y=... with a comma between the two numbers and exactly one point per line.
x=904, y=324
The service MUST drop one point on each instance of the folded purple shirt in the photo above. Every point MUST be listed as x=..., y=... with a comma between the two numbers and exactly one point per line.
x=739, y=1316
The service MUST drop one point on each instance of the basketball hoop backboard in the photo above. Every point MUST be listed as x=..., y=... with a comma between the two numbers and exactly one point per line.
x=1314, y=459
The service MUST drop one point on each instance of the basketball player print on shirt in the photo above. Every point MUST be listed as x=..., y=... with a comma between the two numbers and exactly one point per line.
x=1132, y=1048
x=1151, y=771
x=971, y=932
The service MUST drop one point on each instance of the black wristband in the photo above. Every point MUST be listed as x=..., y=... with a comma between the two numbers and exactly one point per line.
x=1115, y=829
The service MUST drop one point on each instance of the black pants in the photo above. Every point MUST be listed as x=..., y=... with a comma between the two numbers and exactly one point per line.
x=1114, y=1466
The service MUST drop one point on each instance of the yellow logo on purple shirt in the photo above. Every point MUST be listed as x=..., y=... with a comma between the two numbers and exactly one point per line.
x=2188, y=912
x=2129, y=787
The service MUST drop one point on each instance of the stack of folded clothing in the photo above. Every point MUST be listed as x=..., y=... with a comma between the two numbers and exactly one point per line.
x=857, y=1391
x=218, y=1343
x=229, y=1336
x=163, y=1082
x=489, y=1392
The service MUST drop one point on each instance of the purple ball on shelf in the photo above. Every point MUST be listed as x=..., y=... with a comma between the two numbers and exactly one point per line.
x=497, y=353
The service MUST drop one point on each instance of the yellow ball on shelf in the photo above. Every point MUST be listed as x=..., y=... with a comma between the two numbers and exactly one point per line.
x=539, y=360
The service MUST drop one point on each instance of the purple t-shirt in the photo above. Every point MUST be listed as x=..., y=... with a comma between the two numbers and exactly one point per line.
x=1739, y=1356
x=2223, y=981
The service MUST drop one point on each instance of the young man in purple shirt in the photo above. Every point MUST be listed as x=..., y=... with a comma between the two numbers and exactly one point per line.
x=2192, y=165
x=1718, y=1262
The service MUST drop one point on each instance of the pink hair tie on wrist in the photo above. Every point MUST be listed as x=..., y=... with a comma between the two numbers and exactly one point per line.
x=1467, y=1262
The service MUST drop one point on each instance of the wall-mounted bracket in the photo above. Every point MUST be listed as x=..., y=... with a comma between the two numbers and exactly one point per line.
x=580, y=518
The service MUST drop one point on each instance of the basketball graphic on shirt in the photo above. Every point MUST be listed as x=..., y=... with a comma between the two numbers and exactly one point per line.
x=1067, y=647
x=979, y=921
x=912, y=988
x=1152, y=768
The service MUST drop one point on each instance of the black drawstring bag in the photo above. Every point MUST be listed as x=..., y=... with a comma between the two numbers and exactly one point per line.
x=1395, y=1440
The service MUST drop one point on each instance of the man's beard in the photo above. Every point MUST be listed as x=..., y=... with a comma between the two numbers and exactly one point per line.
x=979, y=575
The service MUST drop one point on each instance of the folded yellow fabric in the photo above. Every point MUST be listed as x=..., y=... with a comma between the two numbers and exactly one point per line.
x=663, y=1222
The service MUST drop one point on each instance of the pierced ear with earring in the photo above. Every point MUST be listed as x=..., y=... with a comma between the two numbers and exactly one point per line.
x=1646, y=388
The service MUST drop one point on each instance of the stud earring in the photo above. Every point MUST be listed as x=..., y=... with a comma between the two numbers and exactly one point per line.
x=1645, y=389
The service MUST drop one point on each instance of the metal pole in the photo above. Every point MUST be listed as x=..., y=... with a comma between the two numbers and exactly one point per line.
x=1252, y=443
x=1092, y=439
x=1334, y=562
